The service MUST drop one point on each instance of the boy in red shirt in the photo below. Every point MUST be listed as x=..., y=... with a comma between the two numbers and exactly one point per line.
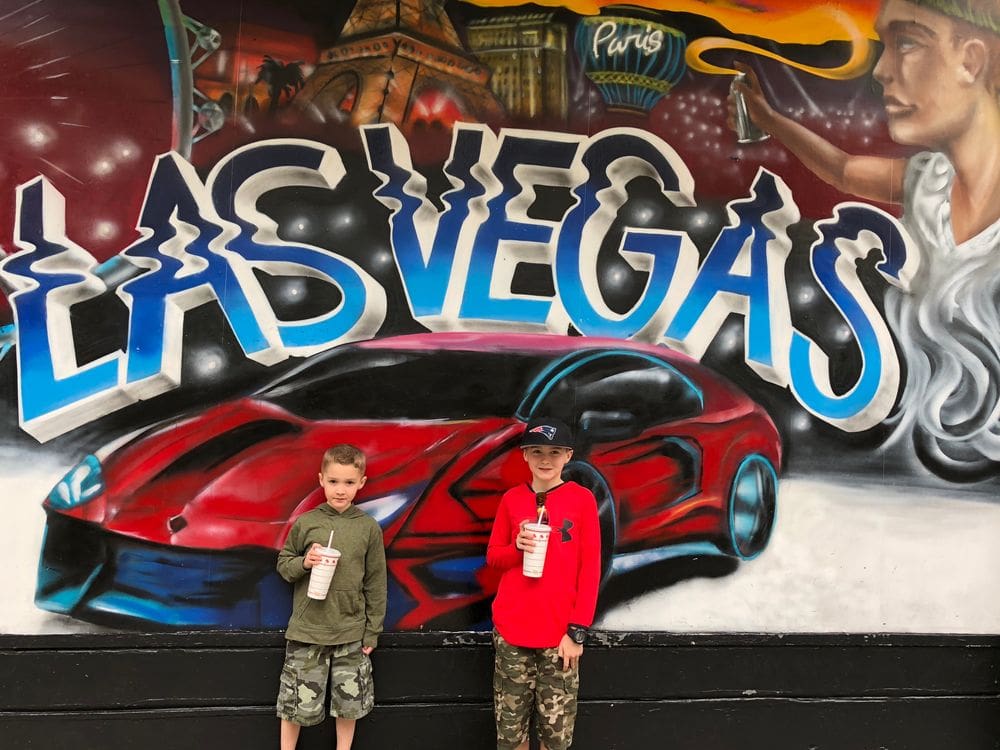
x=541, y=623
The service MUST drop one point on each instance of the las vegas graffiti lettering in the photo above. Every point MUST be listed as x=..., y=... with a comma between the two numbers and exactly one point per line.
x=201, y=241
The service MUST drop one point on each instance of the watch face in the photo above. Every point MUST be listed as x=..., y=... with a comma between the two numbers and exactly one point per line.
x=578, y=636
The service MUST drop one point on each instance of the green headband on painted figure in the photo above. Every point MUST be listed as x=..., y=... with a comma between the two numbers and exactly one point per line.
x=986, y=17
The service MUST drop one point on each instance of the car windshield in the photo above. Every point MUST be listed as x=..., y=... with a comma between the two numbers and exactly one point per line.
x=359, y=383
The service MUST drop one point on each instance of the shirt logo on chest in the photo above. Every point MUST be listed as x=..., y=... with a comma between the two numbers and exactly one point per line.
x=564, y=531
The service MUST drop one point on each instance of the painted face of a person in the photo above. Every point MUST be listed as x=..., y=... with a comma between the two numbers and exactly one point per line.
x=928, y=93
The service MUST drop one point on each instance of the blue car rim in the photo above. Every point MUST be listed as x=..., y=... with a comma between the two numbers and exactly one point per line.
x=752, y=506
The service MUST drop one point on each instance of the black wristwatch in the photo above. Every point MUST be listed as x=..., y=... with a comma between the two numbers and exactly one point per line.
x=577, y=633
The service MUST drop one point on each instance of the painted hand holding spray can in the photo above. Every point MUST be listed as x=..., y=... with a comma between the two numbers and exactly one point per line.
x=747, y=130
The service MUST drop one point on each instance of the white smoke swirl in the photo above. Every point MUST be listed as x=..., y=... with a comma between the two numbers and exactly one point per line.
x=948, y=329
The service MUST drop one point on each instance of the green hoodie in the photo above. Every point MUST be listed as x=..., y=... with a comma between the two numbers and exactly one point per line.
x=355, y=607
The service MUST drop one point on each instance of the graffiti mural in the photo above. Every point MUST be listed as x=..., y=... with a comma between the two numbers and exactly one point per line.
x=744, y=252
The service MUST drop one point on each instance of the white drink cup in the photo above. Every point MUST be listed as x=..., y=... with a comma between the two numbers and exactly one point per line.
x=534, y=561
x=322, y=574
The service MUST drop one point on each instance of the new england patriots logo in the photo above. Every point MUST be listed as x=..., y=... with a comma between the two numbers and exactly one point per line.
x=543, y=429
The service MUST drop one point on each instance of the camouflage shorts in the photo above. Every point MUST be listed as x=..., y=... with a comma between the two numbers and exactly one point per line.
x=304, y=677
x=527, y=680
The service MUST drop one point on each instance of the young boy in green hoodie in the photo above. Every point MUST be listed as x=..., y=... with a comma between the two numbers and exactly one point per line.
x=332, y=638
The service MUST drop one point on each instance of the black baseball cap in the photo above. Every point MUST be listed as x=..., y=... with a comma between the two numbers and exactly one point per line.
x=546, y=431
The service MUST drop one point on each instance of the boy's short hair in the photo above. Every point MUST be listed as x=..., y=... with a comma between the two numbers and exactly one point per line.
x=345, y=455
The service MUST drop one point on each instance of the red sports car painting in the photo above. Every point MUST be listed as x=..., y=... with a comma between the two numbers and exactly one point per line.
x=179, y=525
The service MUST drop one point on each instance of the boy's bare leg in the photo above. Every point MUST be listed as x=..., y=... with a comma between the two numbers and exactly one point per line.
x=289, y=734
x=345, y=733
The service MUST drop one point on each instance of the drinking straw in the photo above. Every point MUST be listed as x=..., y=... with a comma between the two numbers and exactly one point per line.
x=541, y=512
x=329, y=542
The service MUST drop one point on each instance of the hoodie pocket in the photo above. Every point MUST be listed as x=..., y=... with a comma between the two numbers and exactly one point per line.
x=350, y=604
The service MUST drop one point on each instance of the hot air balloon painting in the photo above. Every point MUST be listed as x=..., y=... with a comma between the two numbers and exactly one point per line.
x=633, y=61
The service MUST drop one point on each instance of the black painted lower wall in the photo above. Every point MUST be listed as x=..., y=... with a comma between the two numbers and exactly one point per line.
x=205, y=690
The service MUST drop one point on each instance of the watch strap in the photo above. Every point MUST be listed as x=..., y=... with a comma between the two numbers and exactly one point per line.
x=577, y=633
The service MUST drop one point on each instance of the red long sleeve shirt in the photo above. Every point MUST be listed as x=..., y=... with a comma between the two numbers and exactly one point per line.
x=534, y=612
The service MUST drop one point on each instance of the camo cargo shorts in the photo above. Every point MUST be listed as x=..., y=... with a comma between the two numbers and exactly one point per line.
x=527, y=680
x=304, y=676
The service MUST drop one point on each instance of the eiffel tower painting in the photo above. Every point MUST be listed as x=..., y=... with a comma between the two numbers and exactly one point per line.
x=399, y=61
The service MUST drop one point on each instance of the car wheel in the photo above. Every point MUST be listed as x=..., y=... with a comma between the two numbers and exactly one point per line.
x=587, y=476
x=750, y=508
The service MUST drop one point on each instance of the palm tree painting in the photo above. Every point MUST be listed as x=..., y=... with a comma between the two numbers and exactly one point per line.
x=281, y=78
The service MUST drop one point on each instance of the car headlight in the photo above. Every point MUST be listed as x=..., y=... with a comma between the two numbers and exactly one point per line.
x=81, y=484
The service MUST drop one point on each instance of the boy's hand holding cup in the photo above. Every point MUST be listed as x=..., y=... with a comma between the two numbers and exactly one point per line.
x=525, y=540
x=313, y=557
x=322, y=561
x=535, y=535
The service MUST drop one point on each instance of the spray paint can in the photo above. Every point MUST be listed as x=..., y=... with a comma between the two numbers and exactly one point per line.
x=746, y=130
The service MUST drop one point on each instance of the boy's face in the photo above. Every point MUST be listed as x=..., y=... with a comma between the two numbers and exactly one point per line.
x=546, y=463
x=340, y=483
x=927, y=92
